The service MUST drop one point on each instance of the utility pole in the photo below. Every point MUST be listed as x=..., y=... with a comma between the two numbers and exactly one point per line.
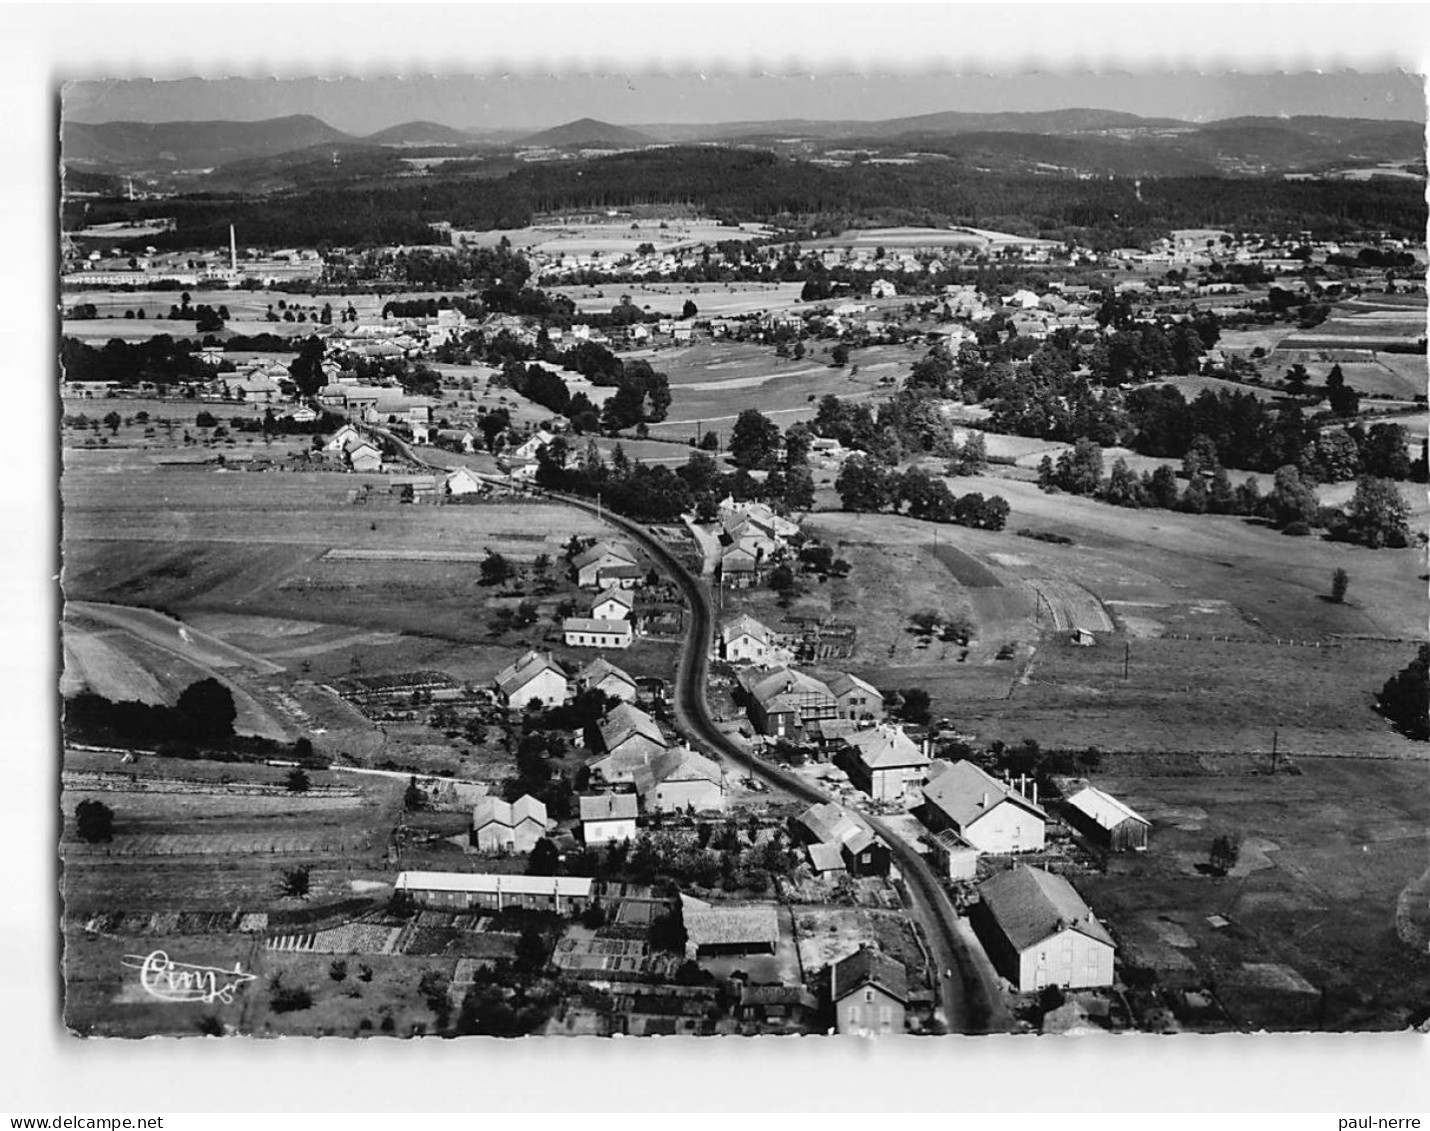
x=1275, y=744
x=1126, y=657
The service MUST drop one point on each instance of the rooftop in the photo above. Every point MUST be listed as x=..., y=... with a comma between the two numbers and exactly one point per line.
x=1031, y=905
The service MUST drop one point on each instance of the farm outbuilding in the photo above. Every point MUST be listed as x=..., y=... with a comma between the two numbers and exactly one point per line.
x=461, y=891
x=1108, y=821
x=747, y=929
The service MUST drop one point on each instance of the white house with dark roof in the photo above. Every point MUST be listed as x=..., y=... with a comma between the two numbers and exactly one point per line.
x=1039, y=932
x=745, y=640
x=535, y=676
x=989, y=814
x=607, y=817
x=614, y=603
x=885, y=762
x=679, y=780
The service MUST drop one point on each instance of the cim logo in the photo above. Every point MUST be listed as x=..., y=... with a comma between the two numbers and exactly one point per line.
x=167, y=980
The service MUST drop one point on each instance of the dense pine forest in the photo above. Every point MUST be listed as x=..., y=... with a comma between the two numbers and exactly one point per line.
x=754, y=185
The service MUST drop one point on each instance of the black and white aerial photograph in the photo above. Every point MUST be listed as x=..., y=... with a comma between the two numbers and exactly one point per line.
x=656, y=550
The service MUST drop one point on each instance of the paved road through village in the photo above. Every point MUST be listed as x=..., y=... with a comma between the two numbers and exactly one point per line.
x=968, y=989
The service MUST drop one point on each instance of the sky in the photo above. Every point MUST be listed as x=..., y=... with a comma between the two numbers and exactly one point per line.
x=533, y=100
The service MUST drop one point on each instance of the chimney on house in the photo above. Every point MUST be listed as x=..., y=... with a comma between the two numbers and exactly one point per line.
x=984, y=803
x=232, y=248
x=1034, y=798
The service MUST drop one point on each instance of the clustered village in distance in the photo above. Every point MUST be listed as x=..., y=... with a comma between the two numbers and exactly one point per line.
x=666, y=617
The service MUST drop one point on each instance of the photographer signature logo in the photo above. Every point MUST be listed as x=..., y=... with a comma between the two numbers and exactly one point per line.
x=168, y=980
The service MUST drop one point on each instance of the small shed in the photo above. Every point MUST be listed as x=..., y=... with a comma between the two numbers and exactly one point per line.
x=1083, y=637
x=1108, y=821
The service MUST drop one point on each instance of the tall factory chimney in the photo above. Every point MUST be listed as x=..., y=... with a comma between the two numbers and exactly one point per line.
x=232, y=248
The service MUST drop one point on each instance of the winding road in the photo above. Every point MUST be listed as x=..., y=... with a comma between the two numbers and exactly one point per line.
x=971, y=1002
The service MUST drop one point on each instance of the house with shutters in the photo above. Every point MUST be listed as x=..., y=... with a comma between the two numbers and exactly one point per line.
x=857, y=699
x=680, y=780
x=608, y=817
x=781, y=702
x=991, y=815
x=870, y=992
x=602, y=675
x=614, y=603
x=745, y=640
x=885, y=763
x=515, y=826
x=532, y=678
x=1039, y=932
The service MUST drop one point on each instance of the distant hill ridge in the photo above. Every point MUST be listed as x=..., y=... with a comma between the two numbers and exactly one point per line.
x=1110, y=140
x=587, y=133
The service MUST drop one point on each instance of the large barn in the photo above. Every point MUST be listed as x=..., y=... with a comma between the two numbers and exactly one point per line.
x=1039, y=932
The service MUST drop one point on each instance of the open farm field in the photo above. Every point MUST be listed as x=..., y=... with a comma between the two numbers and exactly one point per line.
x=484, y=395
x=1392, y=375
x=310, y=509
x=711, y=383
x=1311, y=904
x=1201, y=695
x=1171, y=587
x=1193, y=387
x=1245, y=341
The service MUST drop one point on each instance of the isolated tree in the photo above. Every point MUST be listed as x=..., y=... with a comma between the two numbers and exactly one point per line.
x=297, y=781
x=754, y=441
x=689, y=310
x=544, y=859
x=1224, y=853
x=112, y=421
x=413, y=798
x=207, y=710
x=916, y=704
x=495, y=569
x=1340, y=582
x=295, y=882
x=839, y=355
x=94, y=821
